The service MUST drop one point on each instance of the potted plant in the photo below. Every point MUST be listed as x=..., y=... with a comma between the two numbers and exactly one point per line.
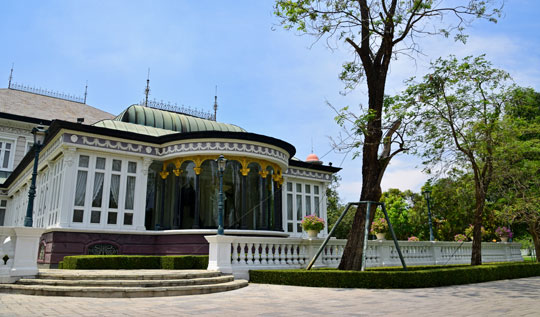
x=504, y=233
x=413, y=239
x=379, y=227
x=460, y=237
x=312, y=225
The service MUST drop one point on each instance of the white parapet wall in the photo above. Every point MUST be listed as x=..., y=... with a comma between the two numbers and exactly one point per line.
x=237, y=255
x=18, y=252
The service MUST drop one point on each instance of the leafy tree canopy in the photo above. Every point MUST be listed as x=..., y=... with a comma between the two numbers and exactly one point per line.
x=376, y=31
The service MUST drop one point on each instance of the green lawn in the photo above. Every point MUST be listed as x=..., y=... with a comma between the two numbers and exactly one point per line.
x=529, y=258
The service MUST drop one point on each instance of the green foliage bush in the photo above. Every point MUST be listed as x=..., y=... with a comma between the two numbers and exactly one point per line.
x=394, y=278
x=134, y=262
x=184, y=262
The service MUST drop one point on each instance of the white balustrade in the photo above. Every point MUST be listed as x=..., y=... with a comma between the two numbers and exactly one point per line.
x=18, y=252
x=239, y=254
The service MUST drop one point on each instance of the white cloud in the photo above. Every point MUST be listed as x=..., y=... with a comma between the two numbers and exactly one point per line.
x=349, y=191
x=504, y=51
x=404, y=179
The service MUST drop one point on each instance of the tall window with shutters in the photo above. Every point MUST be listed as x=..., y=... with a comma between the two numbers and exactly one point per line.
x=104, y=192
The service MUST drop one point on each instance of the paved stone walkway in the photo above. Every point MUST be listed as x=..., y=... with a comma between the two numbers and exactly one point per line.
x=519, y=297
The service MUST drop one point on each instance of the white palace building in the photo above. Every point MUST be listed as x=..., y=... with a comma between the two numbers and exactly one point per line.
x=146, y=181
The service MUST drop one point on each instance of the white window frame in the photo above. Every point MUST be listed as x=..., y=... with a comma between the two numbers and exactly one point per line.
x=296, y=223
x=4, y=209
x=12, y=151
x=104, y=209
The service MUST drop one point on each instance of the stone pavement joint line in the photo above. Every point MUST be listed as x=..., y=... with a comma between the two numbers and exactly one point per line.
x=123, y=283
x=518, y=297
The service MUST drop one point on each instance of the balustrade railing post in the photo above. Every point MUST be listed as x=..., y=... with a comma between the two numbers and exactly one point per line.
x=436, y=253
x=312, y=246
x=243, y=259
x=507, y=251
x=384, y=252
x=219, y=255
x=7, y=254
x=21, y=251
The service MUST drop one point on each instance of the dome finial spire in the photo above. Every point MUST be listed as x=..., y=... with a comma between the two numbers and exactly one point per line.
x=85, y=91
x=10, y=75
x=215, y=105
x=147, y=90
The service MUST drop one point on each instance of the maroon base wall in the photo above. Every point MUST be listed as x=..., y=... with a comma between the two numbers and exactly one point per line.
x=59, y=244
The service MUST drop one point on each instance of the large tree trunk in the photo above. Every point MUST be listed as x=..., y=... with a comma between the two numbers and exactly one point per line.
x=375, y=66
x=534, y=230
x=476, y=257
x=372, y=171
x=352, y=255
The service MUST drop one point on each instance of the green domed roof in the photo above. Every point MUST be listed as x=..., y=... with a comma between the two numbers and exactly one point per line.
x=132, y=127
x=172, y=121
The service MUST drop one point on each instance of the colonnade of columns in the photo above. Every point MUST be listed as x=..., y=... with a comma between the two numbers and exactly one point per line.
x=270, y=174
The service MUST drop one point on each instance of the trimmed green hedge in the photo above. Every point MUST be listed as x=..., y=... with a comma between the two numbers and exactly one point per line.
x=392, y=278
x=184, y=262
x=134, y=262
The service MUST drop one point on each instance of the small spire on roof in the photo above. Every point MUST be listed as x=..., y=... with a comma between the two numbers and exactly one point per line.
x=147, y=90
x=313, y=158
x=10, y=76
x=85, y=92
x=215, y=105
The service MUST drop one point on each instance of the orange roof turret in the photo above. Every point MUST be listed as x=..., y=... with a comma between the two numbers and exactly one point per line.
x=314, y=159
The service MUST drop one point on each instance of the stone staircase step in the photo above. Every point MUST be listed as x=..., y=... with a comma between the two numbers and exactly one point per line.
x=128, y=283
x=123, y=283
x=120, y=292
x=124, y=274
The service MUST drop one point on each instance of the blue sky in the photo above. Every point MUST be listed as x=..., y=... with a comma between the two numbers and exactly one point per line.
x=270, y=81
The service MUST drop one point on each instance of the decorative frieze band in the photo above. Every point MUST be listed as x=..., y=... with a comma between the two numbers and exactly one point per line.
x=189, y=148
x=16, y=131
x=108, y=144
x=224, y=147
x=294, y=172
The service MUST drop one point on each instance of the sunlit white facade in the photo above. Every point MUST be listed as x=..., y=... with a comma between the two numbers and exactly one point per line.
x=146, y=182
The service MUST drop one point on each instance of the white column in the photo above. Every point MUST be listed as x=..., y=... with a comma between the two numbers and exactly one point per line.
x=220, y=253
x=140, y=195
x=284, y=192
x=26, y=251
x=312, y=246
x=7, y=253
x=10, y=212
x=68, y=186
x=324, y=211
x=507, y=251
x=436, y=253
x=383, y=249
